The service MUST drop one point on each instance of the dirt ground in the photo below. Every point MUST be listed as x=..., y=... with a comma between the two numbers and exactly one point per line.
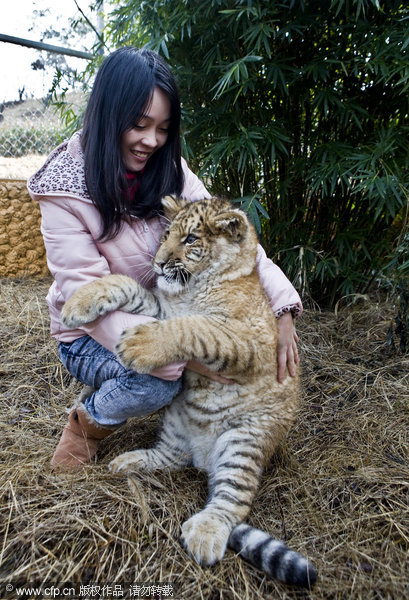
x=337, y=490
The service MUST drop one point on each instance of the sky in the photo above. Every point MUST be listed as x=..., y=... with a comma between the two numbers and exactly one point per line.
x=21, y=20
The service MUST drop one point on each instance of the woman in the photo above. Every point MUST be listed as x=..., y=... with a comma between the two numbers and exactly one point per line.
x=99, y=196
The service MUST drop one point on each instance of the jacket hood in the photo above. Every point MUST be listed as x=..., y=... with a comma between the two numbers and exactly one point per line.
x=62, y=174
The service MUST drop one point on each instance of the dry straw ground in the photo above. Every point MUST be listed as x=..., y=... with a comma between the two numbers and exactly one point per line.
x=337, y=491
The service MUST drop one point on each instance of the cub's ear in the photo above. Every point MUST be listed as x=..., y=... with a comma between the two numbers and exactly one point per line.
x=172, y=205
x=231, y=223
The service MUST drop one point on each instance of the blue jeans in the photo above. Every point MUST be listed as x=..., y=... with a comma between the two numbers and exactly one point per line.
x=120, y=393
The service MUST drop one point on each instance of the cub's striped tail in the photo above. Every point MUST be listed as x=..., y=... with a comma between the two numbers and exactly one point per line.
x=272, y=556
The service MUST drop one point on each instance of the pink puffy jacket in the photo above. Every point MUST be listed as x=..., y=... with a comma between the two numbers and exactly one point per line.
x=71, y=225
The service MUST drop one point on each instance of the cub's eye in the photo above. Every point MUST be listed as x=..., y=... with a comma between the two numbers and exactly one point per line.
x=190, y=239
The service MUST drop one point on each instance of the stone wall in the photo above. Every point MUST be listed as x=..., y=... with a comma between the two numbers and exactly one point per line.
x=22, y=251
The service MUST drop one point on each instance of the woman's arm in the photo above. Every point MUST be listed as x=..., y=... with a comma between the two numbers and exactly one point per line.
x=280, y=291
x=286, y=304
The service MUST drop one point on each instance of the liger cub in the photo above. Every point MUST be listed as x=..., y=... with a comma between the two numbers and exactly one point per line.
x=209, y=306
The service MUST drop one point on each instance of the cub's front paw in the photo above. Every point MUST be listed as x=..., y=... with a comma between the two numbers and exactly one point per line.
x=140, y=349
x=205, y=538
x=84, y=306
x=77, y=312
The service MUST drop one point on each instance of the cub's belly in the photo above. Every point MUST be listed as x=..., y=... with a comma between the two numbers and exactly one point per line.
x=207, y=413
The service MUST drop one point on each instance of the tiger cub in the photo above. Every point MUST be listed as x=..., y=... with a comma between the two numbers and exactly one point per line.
x=210, y=307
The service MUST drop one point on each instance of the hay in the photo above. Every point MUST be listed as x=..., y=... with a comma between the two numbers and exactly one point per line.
x=337, y=490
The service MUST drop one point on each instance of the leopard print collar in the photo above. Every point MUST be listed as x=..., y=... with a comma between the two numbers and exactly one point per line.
x=62, y=172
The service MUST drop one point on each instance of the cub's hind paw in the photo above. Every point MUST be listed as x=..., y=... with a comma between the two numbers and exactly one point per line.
x=205, y=538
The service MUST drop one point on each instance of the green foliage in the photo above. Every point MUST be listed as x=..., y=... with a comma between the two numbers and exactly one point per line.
x=19, y=141
x=300, y=111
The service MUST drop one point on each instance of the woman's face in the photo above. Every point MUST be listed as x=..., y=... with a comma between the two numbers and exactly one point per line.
x=148, y=135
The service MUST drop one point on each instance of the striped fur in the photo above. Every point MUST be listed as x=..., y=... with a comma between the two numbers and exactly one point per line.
x=210, y=307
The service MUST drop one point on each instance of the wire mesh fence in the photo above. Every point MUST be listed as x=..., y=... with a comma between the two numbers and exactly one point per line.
x=30, y=125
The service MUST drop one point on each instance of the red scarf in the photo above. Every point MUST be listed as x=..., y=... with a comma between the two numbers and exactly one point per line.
x=134, y=181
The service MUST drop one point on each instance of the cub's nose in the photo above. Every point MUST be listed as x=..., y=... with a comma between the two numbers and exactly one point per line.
x=158, y=267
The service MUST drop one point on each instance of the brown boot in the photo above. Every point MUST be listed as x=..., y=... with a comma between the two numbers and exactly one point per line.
x=79, y=441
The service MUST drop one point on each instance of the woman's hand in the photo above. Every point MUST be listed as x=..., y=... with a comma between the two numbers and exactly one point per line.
x=198, y=367
x=287, y=351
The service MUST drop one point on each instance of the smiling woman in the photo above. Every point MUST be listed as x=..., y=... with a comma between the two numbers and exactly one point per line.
x=123, y=100
x=148, y=135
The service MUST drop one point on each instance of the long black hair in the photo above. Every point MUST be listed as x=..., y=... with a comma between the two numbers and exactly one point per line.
x=120, y=96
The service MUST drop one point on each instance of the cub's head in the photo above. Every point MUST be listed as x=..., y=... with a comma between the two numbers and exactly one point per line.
x=206, y=238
